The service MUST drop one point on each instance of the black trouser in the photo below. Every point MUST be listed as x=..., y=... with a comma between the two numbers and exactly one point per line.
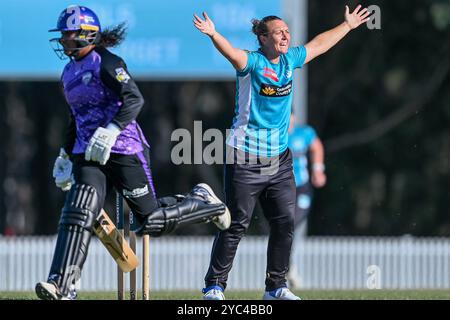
x=244, y=184
x=130, y=175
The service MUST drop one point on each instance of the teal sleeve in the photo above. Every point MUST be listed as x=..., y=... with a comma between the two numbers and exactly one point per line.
x=298, y=56
x=310, y=135
x=251, y=63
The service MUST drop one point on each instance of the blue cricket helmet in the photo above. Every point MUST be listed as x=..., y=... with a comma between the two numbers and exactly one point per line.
x=76, y=18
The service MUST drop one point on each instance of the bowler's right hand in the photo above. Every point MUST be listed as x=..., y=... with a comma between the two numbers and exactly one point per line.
x=205, y=26
x=62, y=171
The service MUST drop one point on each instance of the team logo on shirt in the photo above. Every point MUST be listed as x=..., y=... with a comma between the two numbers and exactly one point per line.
x=269, y=90
x=122, y=75
x=288, y=73
x=271, y=74
x=86, y=78
x=298, y=145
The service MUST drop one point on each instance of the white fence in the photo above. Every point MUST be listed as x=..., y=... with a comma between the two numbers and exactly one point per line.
x=180, y=263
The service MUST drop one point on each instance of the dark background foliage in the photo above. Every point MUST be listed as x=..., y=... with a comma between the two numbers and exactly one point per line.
x=379, y=100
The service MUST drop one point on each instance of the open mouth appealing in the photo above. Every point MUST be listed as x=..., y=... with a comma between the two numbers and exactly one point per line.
x=284, y=45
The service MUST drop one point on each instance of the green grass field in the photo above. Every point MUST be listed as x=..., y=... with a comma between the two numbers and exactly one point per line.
x=254, y=295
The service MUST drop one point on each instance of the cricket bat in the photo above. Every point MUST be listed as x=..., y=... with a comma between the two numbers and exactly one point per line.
x=115, y=243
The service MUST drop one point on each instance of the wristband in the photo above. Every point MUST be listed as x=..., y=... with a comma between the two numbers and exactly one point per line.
x=318, y=167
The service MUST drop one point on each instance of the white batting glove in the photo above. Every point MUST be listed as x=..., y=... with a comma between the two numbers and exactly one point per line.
x=62, y=171
x=99, y=147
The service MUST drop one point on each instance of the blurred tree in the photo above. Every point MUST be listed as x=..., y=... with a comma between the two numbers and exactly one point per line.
x=383, y=115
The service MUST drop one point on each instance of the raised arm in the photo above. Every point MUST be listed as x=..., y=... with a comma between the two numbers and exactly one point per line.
x=326, y=40
x=237, y=57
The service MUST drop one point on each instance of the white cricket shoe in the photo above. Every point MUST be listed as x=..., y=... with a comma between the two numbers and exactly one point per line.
x=73, y=295
x=224, y=220
x=49, y=291
x=280, y=294
x=213, y=293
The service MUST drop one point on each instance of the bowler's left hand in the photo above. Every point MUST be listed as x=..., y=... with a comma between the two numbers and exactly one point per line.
x=357, y=17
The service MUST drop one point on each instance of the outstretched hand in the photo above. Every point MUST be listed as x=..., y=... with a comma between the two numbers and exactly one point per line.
x=205, y=26
x=357, y=17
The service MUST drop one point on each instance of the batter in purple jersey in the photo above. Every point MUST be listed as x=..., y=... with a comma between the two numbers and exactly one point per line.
x=105, y=145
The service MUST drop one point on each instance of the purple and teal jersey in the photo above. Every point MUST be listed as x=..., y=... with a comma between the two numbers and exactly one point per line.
x=300, y=139
x=99, y=90
x=263, y=103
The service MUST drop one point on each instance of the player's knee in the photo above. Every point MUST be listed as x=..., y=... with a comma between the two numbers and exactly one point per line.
x=238, y=229
x=155, y=222
x=284, y=225
x=81, y=207
x=169, y=201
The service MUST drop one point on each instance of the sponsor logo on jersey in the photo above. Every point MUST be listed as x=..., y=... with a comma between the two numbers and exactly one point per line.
x=122, y=75
x=271, y=74
x=269, y=90
x=135, y=193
